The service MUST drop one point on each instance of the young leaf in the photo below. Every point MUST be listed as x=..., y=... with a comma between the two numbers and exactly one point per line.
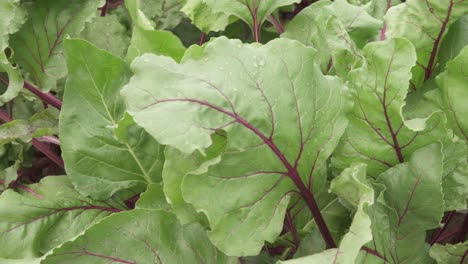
x=254, y=12
x=425, y=24
x=377, y=134
x=450, y=253
x=38, y=45
x=13, y=84
x=41, y=124
x=203, y=17
x=98, y=163
x=147, y=40
x=283, y=118
x=12, y=16
x=351, y=185
x=150, y=237
x=45, y=215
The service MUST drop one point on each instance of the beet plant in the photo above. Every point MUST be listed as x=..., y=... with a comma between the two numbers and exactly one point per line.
x=233, y=131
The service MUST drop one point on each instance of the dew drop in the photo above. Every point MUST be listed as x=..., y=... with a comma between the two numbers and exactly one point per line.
x=205, y=59
x=221, y=68
x=230, y=73
x=261, y=62
x=255, y=64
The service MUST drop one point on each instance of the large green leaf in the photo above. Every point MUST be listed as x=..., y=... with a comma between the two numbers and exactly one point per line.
x=45, y=215
x=203, y=17
x=12, y=16
x=411, y=203
x=283, y=118
x=38, y=45
x=453, y=84
x=140, y=236
x=325, y=257
x=351, y=185
x=145, y=39
x=254, y=12
x=425, y=24
x=98, y=163
x=378, y=135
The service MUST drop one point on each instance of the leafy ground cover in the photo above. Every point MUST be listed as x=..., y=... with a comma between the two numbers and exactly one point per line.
x=233, y=131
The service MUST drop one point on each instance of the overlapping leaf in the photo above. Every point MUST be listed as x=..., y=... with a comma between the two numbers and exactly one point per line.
x=45, y=215
x=282, y=117
x=425, y=24
x=377, y=134
x=203, y=17
x=12, y=16
x=145, y=39
x=254, y=13
x=38, y=45
x=150, y=237
x=98, y=163
x=411, y=203
x=41, y=124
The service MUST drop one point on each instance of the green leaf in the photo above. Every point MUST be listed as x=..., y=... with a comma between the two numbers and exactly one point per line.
x=334, y=28
x=449, y=254
x=453, y=43
x=352, y=186
x=108, y=33
x=254, y=13
x=38, y=45
x=153, y=198
x=44, y=215
x=324, y=257
x=150, y=237
x=378, y=135
x=98, y=163
x=147, y=40
x=165, y=13
x=41, y=124
x=12, y=16
x=425, y=24
x=9, y=175
x=411, y=203
x=453, y=86
x=14, y=83
x=281, y=116
x=177, y=165
x=203, y=17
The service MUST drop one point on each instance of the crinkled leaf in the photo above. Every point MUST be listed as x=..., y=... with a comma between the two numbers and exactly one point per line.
x=251, y=12
x=449, y=254
x=411, y=203
x=13, y=84
x=108, y=33
x=38, y=45
x=8, y=175
x=334, y=28
x=150, y=237
x=44, y=215
x=41, y=124
x=203, y=17
x=12, y=16
x=98, y=163
x=281, y=115
x=424, y=23
x=378, y=135
x=351, y=185
x=145, y=39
